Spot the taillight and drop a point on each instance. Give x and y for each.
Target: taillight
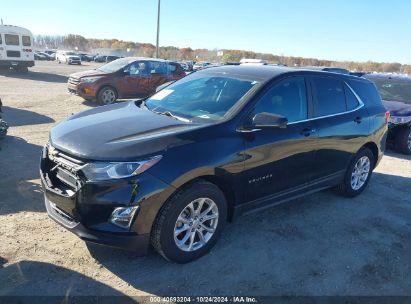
(387, 116)
(27, 50)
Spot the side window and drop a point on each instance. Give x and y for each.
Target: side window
(352, 101)
(26, 40)
(11, 39)
(287, 98)
(171, 68)
(137, 68)
(329, 97)
(157, 67)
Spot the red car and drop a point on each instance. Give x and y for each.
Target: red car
(131, 77)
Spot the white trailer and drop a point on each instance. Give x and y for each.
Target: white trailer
(16, 48)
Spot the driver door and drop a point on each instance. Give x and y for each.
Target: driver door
(280, 160)
(136, 80)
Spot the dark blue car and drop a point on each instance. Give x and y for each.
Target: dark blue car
(395, 91)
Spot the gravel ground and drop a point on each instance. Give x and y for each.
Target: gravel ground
(319, 245)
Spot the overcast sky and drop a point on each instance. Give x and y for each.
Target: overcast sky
(359, 30)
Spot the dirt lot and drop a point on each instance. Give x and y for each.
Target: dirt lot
(320, 245)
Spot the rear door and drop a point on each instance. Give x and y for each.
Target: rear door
(12, 46)
(342, 123)
(175, 71)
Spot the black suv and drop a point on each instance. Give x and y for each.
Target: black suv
(395, 91)
(172, 169)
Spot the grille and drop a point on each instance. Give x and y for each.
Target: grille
(73, 80)
(64, 168)
(13, 54)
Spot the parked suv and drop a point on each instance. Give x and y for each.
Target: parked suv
(124, 78)
(67, 57)
(171, 170)
(395, 91)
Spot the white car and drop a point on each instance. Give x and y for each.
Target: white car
(68, 57)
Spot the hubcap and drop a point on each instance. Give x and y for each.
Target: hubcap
(360, 173)
(196, 224)
(109, 96)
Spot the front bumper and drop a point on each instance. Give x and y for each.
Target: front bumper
(84, 208)
(82, 90)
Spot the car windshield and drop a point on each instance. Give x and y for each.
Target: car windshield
(114, 66)
(394, 89)
(201, 97)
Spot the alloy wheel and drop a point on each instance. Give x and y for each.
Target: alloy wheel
(196, 224)
(108, 96)
(360, 172)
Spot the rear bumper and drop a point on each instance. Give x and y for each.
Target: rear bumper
(16, 63)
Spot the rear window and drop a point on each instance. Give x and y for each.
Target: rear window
(26, 40)
(352, 101)
(329, 96)
(366, 91)
(11, 39)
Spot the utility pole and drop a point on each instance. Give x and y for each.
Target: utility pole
(158, 28)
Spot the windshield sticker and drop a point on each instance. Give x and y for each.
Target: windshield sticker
(162, 94)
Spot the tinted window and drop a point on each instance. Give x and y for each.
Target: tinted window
(329, 97)
(287, 98)
(11, 39)
(366, 90)
(352, 101)
(158, 67)
(26, 40)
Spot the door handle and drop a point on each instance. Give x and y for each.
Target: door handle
(308, 131)
(358, 120)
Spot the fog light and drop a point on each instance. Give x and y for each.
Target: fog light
(123, 216)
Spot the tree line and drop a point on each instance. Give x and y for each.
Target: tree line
(130, 48)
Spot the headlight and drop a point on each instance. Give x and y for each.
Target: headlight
(90, 79)
(400, 120)
(98, 171)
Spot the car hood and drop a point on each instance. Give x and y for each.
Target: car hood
(119, 132)
(88, 73)
(397, 108)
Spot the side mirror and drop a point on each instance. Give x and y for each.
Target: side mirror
(266, 120)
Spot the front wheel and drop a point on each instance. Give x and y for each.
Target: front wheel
(107, 95)
(358, 173)
(403, 140)
(190, 223)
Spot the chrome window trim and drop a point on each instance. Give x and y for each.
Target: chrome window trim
(360, 105)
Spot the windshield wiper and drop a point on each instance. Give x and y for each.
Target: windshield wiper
(168, 113)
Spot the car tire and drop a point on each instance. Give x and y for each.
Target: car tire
(358, 173)
(177, 215)
(107, 95)
(23, 69)
(403, 140)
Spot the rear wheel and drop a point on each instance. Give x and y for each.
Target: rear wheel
(107, 95)
(403, 141)
(190, 223)
(358, 173)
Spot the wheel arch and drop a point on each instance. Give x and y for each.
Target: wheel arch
(374, 149)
